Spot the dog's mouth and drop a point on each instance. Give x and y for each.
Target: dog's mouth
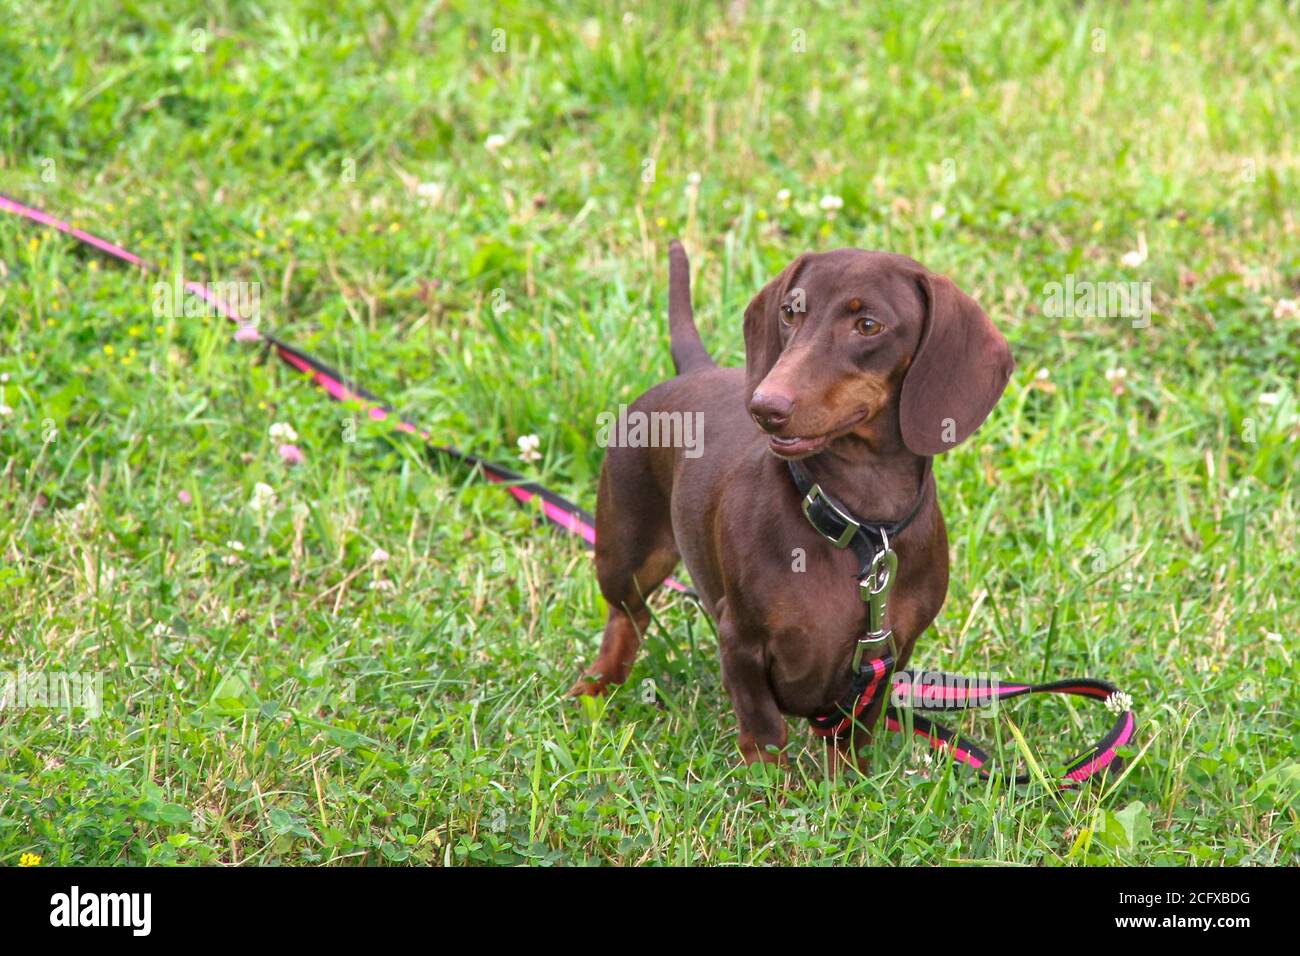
(802, 447)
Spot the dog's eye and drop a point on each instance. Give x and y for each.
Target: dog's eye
(787, 315)
(868, 326)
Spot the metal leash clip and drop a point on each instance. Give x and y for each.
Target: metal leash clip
(874, 588)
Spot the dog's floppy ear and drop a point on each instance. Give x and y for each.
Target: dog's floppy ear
(958, 373)
(763, 327)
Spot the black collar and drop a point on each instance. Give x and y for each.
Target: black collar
(841, 527)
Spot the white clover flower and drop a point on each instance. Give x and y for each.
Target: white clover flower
(378, 556)
(528, 445)
(1269, 398)
(431, 193)
(5, 410)
(1043, 374)
(283, 432)
(783, 197)
(922, 762)
(1119, 702)
(831, 203)
(1286, 309)
(1135, 257)
(938, 211)
(382, 584)
(494, 142)
(236, 548)
(1116, 374)
(263, 499)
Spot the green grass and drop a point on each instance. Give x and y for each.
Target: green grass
(277, 706)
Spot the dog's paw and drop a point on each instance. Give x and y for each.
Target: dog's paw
(588, 685)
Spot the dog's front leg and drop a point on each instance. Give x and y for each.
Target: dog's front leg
(763, 732)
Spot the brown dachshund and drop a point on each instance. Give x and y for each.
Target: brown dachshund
(862, 365)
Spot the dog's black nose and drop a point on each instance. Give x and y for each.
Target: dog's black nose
(772, 412)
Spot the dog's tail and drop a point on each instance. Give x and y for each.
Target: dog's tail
(684, 338)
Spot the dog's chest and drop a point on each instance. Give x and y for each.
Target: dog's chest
(810, 631)
(809, 641)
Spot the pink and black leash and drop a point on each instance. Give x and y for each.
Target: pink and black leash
(959, 694)
(938, 691)
(557, 509)
(929, 690)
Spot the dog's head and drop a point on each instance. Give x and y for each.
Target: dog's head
(842, 336)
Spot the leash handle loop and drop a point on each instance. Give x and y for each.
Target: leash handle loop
(913, 691)
(939, 691)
